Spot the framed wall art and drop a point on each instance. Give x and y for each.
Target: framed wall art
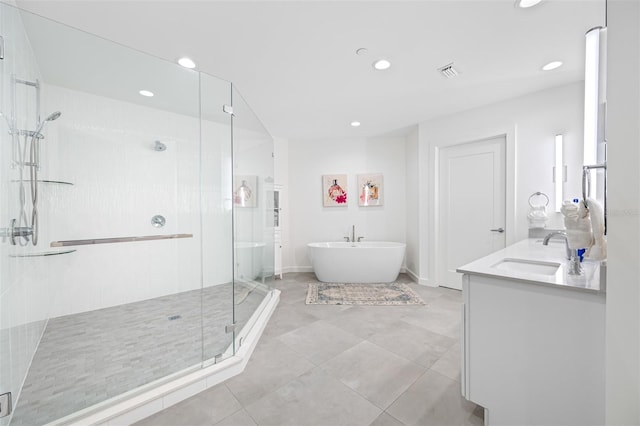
(334, 190)
(245, 192)
(370, 189)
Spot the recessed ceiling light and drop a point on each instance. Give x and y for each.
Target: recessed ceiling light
(552, 66)
(381, 64)
(362, 51)
(187, 62)
(355, 124)
(524, 4)
(146, 93)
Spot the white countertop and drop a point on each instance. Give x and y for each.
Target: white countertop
(533, 250)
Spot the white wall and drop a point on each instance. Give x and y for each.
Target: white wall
(530, 124)
(309, 221)
(623, 275)
(412, 257)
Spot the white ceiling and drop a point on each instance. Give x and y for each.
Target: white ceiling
(295, 62)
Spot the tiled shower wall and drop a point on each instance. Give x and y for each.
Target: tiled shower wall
(105, 148)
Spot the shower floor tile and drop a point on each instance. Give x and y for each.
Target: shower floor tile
(87, 358)
(369, 382)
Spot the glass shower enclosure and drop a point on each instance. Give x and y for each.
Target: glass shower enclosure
(136, 245)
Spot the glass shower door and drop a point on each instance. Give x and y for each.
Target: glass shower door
(155, 251)
(253, 218)
(25, 288)
(237, 220)
(217, 219)
(121, 194)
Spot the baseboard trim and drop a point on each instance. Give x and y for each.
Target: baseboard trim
(412, 274)
(289, 269)
(418, 280)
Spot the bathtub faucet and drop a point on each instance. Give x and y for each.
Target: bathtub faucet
(352, 238)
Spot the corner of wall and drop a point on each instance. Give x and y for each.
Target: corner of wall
(623, 273)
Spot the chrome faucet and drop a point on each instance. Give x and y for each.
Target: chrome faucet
(575, 268)
(353, 238)
(574, 260)
(559, 234)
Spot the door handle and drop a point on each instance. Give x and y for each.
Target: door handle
(500, 230)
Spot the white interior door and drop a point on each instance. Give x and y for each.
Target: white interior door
(471, 205)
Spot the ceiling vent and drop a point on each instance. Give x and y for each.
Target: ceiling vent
(448, 71)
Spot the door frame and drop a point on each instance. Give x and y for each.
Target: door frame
(434, 244)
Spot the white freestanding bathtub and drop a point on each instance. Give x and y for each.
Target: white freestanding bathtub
(364, 262)
(249, 260)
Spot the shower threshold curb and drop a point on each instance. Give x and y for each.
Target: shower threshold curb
(164, 396)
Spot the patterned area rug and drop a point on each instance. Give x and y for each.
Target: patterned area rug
(362, 294)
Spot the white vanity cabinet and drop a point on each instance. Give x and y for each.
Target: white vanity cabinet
(533, 352)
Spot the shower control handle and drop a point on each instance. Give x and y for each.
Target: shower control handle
(158, 221)
(14, 231)
(500, 230)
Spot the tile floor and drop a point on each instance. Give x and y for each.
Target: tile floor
(87, 358)
(327, 365)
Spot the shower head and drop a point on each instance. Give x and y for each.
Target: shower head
(159, 146)
(53, 116)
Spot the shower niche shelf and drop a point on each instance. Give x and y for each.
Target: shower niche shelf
(54, 182)
(43, 253)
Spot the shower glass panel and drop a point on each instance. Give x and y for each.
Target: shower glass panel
(217, 219)
(253, 213)
(25, 282)
(132, 281)
(122, 315)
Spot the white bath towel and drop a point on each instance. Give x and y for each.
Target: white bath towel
(578, 225)
(537, 216)
(599, 249)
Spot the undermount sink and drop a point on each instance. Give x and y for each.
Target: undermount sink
(527, 266)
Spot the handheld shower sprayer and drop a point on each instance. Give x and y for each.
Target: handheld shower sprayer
(34, 149)
(51, 117)
(34, 166)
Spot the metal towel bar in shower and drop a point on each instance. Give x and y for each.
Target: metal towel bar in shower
(117, 240)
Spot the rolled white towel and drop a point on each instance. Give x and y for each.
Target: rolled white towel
(537, 217)
(569, 209)
(596, 212)
(537, 213)
(578, 225)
